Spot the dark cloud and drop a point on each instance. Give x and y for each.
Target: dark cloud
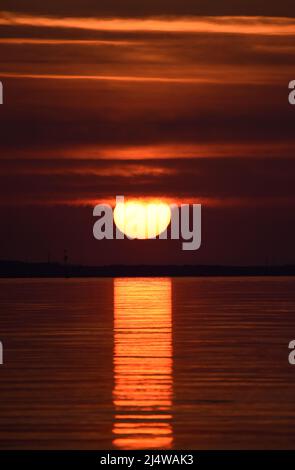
(260, 181)
(141, 8)
(235, 93)
(20, 46)
(50, 117)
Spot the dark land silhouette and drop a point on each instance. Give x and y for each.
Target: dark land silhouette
(15, 269)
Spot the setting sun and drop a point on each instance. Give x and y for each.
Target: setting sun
(142, 219)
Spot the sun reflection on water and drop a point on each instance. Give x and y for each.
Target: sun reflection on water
(143, 387)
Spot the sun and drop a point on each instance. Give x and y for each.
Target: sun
(141, 219)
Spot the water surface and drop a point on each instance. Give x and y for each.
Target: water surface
(124, 363)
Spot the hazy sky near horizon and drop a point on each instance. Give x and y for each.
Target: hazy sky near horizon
(186, 101)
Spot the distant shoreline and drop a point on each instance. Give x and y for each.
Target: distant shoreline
(18, 269)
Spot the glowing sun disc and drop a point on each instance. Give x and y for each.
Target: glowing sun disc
(142, 220)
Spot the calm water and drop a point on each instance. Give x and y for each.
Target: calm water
(147, 363)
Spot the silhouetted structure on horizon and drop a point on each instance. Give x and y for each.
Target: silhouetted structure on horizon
(21, 269)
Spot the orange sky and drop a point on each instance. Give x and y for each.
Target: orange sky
(187, 106)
